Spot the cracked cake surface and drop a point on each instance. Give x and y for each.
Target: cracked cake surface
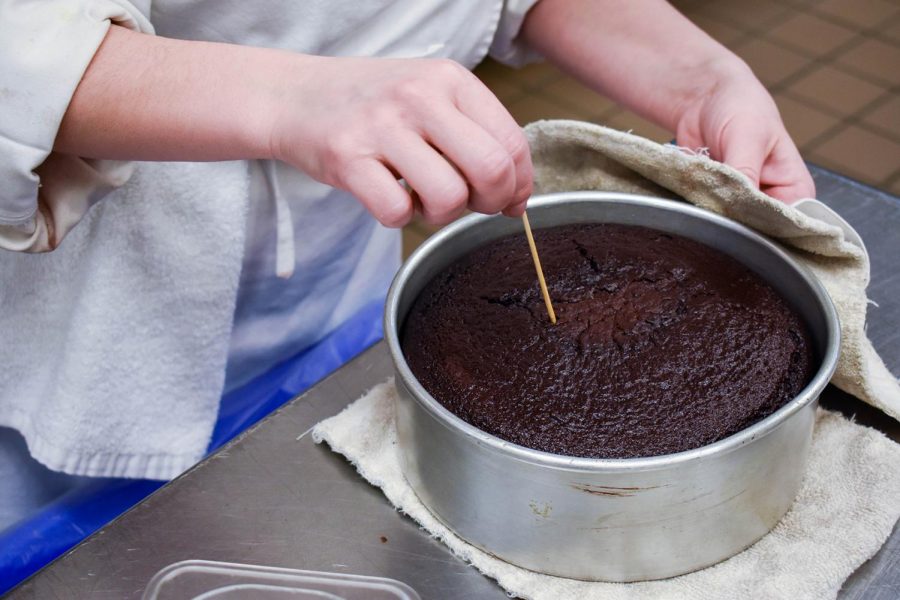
(663, 344)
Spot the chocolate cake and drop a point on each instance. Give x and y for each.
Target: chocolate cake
(662, 345)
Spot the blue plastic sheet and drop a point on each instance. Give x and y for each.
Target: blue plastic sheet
(32, 543)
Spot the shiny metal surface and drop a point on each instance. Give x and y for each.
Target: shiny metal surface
(269, 498)
(604, 519)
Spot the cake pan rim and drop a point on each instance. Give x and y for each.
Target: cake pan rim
(437, 411)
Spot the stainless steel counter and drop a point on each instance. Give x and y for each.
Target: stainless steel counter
(272, 497)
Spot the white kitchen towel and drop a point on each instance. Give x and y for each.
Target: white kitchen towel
(846, 507)
(573, 155)
(114, 345)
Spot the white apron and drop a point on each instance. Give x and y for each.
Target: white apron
(115, 345)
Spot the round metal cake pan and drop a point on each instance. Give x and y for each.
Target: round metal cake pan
(609, 519)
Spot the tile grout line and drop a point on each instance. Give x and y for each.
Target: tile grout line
(833, 131)
(761, 30)
(821, 60)
(571, 107)
(853, 119)
(755, 31)
(859, 116)
(862, 33)
(829, 59)
(869, 30)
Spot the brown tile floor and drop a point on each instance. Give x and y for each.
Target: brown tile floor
(833, 67)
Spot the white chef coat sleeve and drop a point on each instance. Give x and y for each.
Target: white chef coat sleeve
(506, 47)
(45, 47)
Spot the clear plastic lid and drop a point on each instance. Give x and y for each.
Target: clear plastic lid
(207, 580)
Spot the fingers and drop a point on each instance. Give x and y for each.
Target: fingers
(441, 131)
(791, 192)
(770, 160)
(486, 165)
(784, 175)
(439, 187)
(484, 182)
(379, 191)
(745, 145)
(516, 210)
(482, 107)
(486, 146)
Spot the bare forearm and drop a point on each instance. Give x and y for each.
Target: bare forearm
(353, 123)
(641, 53)
(648, 57)
(151, 98)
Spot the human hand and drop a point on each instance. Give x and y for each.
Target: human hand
(650, 58)
(360, 123)
(354, 123)
(737, 120)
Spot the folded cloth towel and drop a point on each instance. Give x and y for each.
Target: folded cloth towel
(846, 508)
(573, 155)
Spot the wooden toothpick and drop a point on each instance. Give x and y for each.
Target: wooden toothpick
(537, 267)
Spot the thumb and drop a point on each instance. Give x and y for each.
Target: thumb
(745, 146)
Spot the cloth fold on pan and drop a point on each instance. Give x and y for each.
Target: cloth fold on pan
(574, 155)
(846, 508)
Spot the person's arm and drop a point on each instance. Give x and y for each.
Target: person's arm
(645, 55)
(354, 123)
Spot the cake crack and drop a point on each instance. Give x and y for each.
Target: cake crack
(586, 254)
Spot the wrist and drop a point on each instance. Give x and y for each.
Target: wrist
(264, 96)
(704, 80)
(289, 97)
